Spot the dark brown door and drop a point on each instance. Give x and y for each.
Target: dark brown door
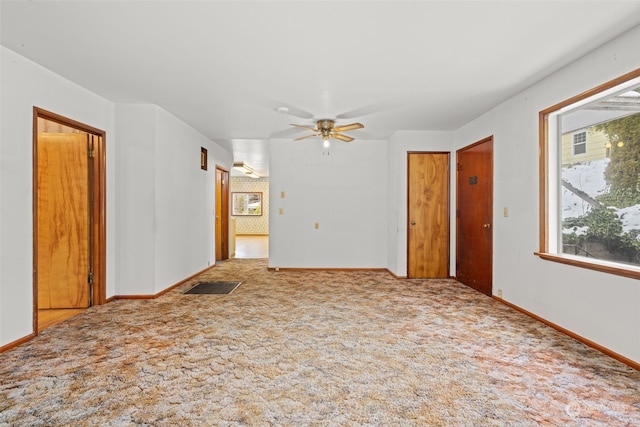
(428, 215)
(63, 221)
(474, 237)
(222, 214)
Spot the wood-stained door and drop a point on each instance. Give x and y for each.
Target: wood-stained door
(428, 215)
(222, 214)
(69, 215)
(474, 236)
(63, 220)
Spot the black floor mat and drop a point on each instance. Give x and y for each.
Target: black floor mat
(213, 288)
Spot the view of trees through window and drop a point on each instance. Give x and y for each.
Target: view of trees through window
(600, 182)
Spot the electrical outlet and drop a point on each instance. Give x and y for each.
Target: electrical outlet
(499, 293)
(505, 212)
(281, 211)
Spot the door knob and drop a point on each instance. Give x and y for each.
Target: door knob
(487, 226)
(413, 223)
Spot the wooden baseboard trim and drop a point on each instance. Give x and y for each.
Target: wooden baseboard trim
(140, 296)
(159, 294)
(395, 275)
(386, 270)
(17, 342)
(620, 358)
(312, 269)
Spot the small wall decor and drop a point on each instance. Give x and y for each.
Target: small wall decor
(203, 158)
(246, 204)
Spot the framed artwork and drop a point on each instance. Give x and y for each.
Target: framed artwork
(246, 204)
(203, 158)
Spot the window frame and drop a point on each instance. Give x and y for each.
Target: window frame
(549, 175)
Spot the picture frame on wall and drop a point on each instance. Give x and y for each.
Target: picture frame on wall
(203, 158)
(246, 204)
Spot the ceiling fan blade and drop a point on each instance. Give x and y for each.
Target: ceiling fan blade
(305, 127)
(285, 133)
(372, 109)
(345, 128)
(308, 136)
(341, 137)
(299, 112)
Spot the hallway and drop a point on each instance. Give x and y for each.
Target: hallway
(252, 247)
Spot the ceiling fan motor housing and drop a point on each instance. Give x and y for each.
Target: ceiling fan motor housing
(325, 125)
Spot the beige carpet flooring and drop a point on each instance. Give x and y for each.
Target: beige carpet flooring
(312, 348)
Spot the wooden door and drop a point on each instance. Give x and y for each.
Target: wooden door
(474, 237)
(428, 215)
(222, 214)
(63, 220)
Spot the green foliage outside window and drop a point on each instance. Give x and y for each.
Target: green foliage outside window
(602, 225)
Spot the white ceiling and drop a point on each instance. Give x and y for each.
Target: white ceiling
(224, 67)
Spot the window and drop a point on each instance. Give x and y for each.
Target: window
(246, 204)
(590, 204)
(579, 143)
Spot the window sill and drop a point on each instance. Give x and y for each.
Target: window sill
(597, 265)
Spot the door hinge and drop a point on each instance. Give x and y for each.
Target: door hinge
(458, 166)
(91, 153)
(90, 279)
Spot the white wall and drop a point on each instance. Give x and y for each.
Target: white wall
(399, 145)
(25, 85)
(601, 307)
(166, 208)
(345, 192)
(185, 200)
(135, 183)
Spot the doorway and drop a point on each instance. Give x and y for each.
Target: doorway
(69, 218)
(474, 236)
(222, 214)
(428, 215)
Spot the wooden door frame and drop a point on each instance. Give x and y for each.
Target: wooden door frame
(224, 214)
(99, 229)
(468, 147)
(407, 225)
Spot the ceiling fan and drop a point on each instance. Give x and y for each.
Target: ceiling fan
(326, 129)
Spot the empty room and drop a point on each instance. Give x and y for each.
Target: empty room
(320, 212)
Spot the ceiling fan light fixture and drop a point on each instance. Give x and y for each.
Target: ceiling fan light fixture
(325, 142)
(326, 129)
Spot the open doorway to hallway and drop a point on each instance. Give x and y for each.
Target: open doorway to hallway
(250, 217)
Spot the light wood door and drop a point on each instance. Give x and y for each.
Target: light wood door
(474, 237)
(63, 221)
(222, 214)
(428, 215)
